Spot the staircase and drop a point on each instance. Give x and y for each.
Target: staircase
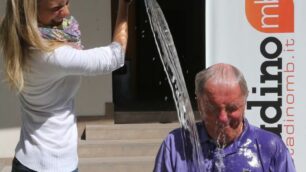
(121, 147)
(109, 147)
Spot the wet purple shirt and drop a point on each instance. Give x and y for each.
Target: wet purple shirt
(256, 150)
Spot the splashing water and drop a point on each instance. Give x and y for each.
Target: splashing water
(170, 61)
(221, 143)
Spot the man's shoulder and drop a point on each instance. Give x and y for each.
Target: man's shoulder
(175, 133)
(262, 134)
(267, 138)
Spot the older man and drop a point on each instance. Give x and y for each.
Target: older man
(229, 143)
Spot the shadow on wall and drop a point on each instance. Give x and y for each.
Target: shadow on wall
(9, 108)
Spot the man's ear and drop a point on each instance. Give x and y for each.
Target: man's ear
(200, 104)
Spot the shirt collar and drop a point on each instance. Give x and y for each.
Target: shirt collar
(203, 135)
(243, 141)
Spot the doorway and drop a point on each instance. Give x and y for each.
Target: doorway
(142, 85)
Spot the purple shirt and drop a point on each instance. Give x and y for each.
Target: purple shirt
(256, 150)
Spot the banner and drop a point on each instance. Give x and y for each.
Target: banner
(266, 40)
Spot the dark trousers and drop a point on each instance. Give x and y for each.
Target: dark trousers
(18, 167)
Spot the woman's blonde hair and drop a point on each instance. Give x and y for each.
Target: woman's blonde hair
(19, 34)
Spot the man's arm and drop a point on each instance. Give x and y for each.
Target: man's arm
(162, 160)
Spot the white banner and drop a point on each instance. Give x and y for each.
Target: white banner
(266, 40)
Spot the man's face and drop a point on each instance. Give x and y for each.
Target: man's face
(52, 12)
(222, 108)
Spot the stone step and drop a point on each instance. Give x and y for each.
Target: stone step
(145, 117)
(129, 131)
(125, 117)
(5, 164)
(7, 169)
(116, 148)
(112, 164)
(117, 164)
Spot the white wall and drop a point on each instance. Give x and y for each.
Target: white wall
(94, 17)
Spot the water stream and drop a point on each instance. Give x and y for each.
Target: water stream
(171, 64)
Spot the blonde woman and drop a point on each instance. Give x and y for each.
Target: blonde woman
(44, 59)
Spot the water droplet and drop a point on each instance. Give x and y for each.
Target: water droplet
(153, 59)
(178, 94)
(166, 98)
(173, 79)
(159, 83)
(170, 44)
(184, 109)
